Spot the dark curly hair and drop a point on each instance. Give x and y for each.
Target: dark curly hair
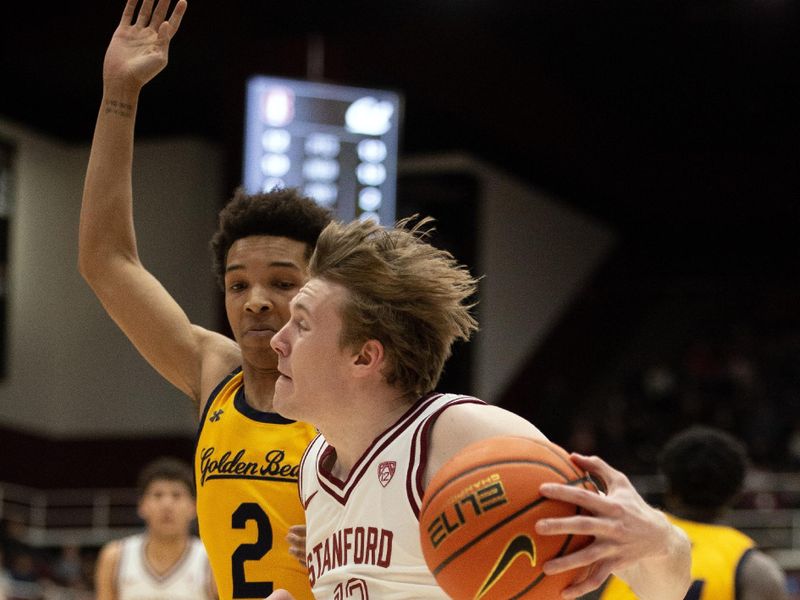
(166, 468)
(704, 467)
(282, 212)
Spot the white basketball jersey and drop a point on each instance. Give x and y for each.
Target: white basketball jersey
(363, 533)
(188, 579)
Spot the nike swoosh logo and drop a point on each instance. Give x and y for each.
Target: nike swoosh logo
(522, 544)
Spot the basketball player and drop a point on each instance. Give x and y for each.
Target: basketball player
(247, 457)
(705, 470)
(365, 345)
(166, 562)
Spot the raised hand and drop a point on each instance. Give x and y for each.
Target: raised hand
(139, 49)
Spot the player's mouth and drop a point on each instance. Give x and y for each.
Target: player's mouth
(260, 331)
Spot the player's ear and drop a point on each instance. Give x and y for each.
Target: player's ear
(369, 358)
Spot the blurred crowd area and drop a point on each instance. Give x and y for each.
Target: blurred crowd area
(28, 573)
(734, 364)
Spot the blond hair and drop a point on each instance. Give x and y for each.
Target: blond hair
(412, 297)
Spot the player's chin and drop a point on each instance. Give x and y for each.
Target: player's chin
(284, 386)
(282, 400)
(259, 354)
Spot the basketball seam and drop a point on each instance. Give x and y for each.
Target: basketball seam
(554, 452)
(474, 468)
(573, 467)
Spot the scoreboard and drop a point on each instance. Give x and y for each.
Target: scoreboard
(338, 144)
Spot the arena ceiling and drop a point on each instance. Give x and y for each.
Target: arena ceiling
(652, 116)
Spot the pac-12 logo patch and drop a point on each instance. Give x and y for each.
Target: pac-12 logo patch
(386, 471)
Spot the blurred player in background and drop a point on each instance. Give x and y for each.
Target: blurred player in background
(166, 562)
(705, 470)
(247, 457)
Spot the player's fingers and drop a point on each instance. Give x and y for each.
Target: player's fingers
(298, 555)
(598, 468)
(299, 530)
(578, 525)
(159, 14)
(279, 595)
(176, 17)
(584, 557)
(593, 579)
(296, 541)
(128, 12)
(589, 500)
(145, 10)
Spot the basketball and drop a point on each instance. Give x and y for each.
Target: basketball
(478, 515)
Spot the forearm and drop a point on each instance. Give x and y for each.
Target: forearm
(106, 225)
(664, 576)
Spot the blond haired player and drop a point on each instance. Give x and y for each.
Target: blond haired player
(364, 348)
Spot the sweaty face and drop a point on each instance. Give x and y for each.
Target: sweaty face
(313, 366)
(167, 507)
(262, 274)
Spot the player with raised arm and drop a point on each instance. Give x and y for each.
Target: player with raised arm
(247, 456)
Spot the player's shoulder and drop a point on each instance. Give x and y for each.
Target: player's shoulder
(216, 349)
(760, 577)
(465, 423)
(220, 356)
(481, 420)
(110, 552)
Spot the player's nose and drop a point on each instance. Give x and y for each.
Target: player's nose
(258, 300)
(280, 343)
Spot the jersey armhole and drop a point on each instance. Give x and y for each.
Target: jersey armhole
(737, 579)
(420, 446)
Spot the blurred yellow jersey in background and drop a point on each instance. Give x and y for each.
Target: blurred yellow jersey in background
(717, 551)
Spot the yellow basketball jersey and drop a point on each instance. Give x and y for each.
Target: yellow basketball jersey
(717, 552)
(246, 468)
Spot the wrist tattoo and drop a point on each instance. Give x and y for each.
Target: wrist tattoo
(121, 109)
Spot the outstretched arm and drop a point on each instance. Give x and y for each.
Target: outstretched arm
(632, 539)
(108, 257)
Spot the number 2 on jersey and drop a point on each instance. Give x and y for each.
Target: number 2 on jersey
(250, 511)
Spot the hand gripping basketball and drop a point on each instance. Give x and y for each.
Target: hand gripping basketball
(477, 523)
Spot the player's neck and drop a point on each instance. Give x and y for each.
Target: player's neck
(693, 513)
(259, 387)
(162, 552)
(360, 424)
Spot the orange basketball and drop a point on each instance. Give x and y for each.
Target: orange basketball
(477, 520)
